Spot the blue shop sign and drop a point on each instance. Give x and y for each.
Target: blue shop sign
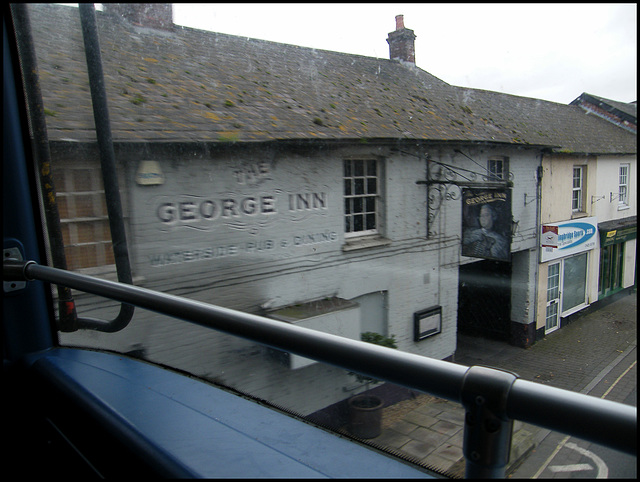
(566, 238)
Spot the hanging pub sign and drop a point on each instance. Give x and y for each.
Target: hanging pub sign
(486, 223)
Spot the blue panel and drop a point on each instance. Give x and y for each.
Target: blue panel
(25, 316)
(208, 432)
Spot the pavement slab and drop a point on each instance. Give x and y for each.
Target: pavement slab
(571, 358)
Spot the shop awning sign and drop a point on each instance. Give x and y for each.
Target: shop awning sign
(565, 238)
(620, 235)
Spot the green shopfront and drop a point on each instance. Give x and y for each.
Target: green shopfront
(617, 256)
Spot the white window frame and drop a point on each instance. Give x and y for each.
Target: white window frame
(623, 185)
(498, 168)
(552, 315)
(577, 193)
(361, 197)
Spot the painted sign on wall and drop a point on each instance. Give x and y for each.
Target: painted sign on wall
(234, 208)
(568, 237)
(199, 212)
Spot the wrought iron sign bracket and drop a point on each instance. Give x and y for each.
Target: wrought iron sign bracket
(481, 185)
(439, 186)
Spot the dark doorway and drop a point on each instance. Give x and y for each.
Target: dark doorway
(484, 299)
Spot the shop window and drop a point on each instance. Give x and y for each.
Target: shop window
(574, 283)
(611, 264)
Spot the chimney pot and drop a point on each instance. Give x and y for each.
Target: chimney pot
(402, 42)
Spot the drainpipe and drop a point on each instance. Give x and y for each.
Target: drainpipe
(538, 228)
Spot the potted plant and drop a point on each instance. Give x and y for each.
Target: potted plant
(365, 410)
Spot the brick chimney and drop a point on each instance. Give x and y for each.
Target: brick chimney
(402, 42)
(150, 15)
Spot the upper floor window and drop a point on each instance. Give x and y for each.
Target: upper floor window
(361, 189)
(498, 168)
(623, 185)
(577, 200)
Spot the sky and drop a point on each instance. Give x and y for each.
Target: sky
(546, 51)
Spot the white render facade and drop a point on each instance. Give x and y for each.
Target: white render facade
(261, 229)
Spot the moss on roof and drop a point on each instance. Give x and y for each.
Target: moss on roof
(194, 85)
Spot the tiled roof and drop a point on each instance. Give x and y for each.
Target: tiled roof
(618, 113)
(566, 127)
(194, 85)
(630, 108)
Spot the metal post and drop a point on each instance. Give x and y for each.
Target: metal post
(487, 429)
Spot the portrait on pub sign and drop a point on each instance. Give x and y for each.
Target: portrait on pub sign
(486, 223)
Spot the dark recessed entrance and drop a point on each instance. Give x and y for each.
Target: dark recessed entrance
(484, 299)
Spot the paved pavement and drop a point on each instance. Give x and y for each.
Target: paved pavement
(577, 357)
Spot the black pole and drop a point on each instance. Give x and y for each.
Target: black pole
(67, 315)
(487, 429)
(68, 318)
(109, 168)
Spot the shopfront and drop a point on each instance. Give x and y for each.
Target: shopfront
(566, 250)
(616, 239)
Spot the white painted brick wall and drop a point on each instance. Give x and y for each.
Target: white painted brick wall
(292, 267)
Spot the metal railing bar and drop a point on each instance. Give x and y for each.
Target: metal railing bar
(580, 415)
(438, 377)
(601, 421)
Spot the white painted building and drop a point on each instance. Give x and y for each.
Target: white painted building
(265, 231)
